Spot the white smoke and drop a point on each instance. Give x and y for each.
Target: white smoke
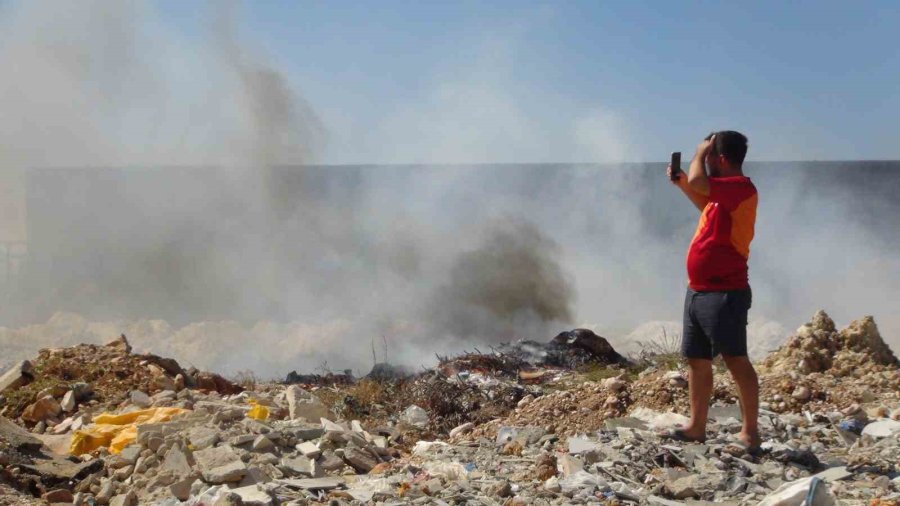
(296, 268)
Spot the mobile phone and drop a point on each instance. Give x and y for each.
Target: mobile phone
(676, 165)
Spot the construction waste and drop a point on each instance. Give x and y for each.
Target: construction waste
(569, 421)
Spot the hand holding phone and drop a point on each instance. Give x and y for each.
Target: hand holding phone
(675, 165)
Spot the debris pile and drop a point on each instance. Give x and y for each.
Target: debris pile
(62, 382)
(565, 422)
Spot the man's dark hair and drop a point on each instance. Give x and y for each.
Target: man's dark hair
(731, 144)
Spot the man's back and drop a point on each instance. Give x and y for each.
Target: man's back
(717, 257)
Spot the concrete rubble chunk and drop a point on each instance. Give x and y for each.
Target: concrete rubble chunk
(305, 405)
(181, 489)
(253, 496)
(203, 437)
(262, 444)
(176, 462)
(227, 498)
(218, 456)
(309, 450)
(330, 462)
(301, 465)
(228, 473)
(328, 483)
(254, 476)
(360, 460)
(833, 474)
(16, 376)
(17, 437)
(685, 487)
(127, 499)
(306, 433)
(330, 426)
(130, 454)
(795, 493)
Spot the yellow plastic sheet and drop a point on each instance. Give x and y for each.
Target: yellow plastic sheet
(115, 432)
(258, 411)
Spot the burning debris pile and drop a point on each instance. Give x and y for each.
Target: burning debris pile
(568, 350)
(565, 422)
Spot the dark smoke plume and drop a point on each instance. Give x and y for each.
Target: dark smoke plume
(511, 283)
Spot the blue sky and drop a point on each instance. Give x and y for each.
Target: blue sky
(517, 81)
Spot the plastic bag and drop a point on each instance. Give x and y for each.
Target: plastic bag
(257, 411)
(115, 432)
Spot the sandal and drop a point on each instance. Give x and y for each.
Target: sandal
(744, 448)
(679, 435)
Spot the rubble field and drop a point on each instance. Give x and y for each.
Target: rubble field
(568, 421)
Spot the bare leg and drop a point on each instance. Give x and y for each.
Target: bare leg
(700, 382)
(748, 388)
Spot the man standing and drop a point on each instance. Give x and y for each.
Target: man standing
(718, 295)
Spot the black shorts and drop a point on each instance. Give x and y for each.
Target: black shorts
(715, 322)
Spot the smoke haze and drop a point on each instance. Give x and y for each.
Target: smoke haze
(171, 195)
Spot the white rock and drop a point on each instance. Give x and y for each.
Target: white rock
(552, 484)
(303, 404)
(882, 428)
(309, 450)
(415, 416)
(228, 473)
(302, 465)
(794, 493)
(68, 402)
(614, 384)
(262, 444)
(253, 496)
(801, 393)
(140, 399)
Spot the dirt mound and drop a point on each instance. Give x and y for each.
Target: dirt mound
(823, 367)
(818, 346)
(564, 412)
(665, 390)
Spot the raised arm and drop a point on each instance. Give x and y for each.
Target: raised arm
(699, 200)
(697, 178)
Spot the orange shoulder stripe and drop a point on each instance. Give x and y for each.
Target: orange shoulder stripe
(743, 220)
